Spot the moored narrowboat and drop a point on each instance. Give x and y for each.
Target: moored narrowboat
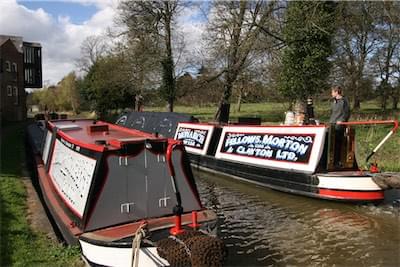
(117, 192)
(297, 159)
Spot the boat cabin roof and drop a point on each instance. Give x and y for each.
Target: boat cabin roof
(98, 135)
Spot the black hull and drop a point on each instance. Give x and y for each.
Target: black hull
(298, 183)
(67, 236)
(284, 181)
(296, 159)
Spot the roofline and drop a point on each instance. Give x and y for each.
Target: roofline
(16, 37)
(32, 44)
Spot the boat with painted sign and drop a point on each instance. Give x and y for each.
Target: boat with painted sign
(117, 192)
(298, 159)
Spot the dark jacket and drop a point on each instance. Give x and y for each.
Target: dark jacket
(340, 110)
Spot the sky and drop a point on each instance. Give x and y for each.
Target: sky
(61, 26)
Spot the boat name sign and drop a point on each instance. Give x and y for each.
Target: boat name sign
(192, 137)
(282, 147)
(195, 137)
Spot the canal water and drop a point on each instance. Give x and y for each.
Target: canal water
(262, 227)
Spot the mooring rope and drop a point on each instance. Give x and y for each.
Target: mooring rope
(139, 234)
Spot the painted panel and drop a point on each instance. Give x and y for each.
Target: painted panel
(140, 187)
(288, 148)
(195, 137)
(72, 174)
(359, 183)
(46, 148)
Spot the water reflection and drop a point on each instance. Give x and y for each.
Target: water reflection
(262, 227)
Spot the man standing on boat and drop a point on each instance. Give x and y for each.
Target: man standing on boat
(340, 112)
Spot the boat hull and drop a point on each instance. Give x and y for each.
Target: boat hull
(297, 159)
(340, 186)
(102, 184)
(97, 255)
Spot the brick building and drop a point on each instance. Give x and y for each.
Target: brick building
(20, 68)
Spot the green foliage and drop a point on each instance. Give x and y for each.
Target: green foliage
(46, 98)
(150, 27)
(19, 245)
(63, 97)
(167, 88)
(308, 34)
(69, 95)
(105, 86)
(202, 89)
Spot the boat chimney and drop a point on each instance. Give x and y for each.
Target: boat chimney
(310, 112)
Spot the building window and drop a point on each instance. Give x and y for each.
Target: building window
(15, 93)
(29, 55)
(14, 67)
(8, 66)
(9, 90)
(29, 78)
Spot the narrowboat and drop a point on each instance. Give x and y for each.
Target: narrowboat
(116, 192)
(298, 159)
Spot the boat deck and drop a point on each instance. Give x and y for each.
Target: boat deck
(118, 232)
(96, 134)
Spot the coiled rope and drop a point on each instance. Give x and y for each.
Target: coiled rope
(192, 248)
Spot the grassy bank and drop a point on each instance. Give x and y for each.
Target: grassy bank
(19, 244)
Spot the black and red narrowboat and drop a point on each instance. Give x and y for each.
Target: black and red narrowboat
(106, 185)
(298, 159)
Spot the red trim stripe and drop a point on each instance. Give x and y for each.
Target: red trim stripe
(69, 206)
(352, 195)
(94, 147)
(128, 130)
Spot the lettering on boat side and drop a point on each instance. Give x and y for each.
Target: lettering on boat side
(192, 137)
(278, 147)
(72, 174)
(70, 145)
(122, 120)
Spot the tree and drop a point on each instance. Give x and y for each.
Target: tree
(106, 87)
(233, 36)
(388, 34)
(143, 59)
(200, 88)
(154, 21)
(68, 93)
(396, 88)
(356, 41)
(308, 35)
(46, 98)
(92, 49)
(184, 85)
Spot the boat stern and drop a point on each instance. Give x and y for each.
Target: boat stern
(349, 186)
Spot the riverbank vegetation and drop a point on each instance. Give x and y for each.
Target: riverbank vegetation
(258, 57)
(248, 52)
(20, 245)
(367, 137)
